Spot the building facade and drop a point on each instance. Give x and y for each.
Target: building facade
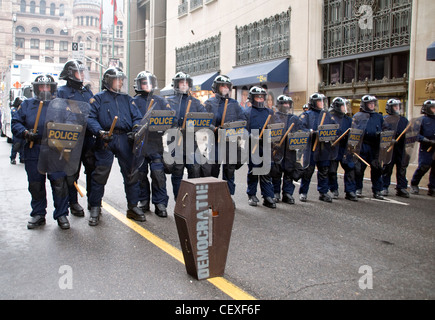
(45, 30)
(343, 48)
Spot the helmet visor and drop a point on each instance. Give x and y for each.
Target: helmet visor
(146, 83)
(117, 83)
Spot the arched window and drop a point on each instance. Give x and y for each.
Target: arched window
(34, 30)
(20, 29)
(52, 9)
(64, 32)
(23, 6)
(32, 6)
(42, 7)
(49, 31)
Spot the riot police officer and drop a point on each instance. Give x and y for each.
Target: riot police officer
(222, 87)
(311, 119)
(144, 85)
(393, 109)
(182, 84)
(23, 122)
(113, 101)
(286, 171)
(75, 73)
(370, 147)
(256, 117)
(338, 111)
(426, 155)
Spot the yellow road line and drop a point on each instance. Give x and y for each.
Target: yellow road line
(219, 282)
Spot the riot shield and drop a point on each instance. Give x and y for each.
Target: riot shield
(410, 141)
(298, 147)
(355, 136)
(235, 149)
(148, 139)
(327, 133)
(277, 125)
(197, 125)
(64, 133)
(386, 143)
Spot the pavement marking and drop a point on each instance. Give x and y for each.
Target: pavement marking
(390, 201)
(219, 282)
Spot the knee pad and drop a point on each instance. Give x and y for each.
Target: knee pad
(194, 171)
(60, 187)
(178, 169)
(101, 174)
(37, 190)
(159, 178)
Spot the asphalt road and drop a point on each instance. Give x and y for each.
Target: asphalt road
(345, 250)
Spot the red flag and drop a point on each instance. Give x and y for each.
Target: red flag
(101, 17)
(115, 8)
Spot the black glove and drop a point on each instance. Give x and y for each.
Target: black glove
(131, 136)
(428, 143)
(29, 135)
(104, 135)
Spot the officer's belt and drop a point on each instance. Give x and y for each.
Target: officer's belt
(119, 131)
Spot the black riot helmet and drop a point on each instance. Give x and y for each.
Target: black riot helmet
(113, 80)
(145, 78)
(181, 77)
(366, 100)
(389, 108)
(255, 92)
(218, 82)
(428, 107)
(339, 105)
(42, 81)
(284, 104)
(314, 98)
(75, 73)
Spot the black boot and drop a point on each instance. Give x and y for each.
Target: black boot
(288, 198)
(402, 193)
(94, 216)
(269, 202)
(161, 210)
(63, 222)
(253, 200)
(325, 197)
(351, 196)
(144, 205)
(135, 213)
(378, 195)
(36, 221)
(76, 210)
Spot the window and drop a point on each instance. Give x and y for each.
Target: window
(32, 6)
(119, 30)
(348, 71)
(63, 46)
(49, 31)
(34, 58)
(20, 29)
(379, 68)
(34, 44)
(49, 59)
(199, 57)
(19, 42)
(49, 44)
(34, 30)
(52, 9)
(64, 32)
(19, 57)
(399, 65)
(42, 7)
(364, 69)
(334, 73)
(61, 10)
(263, 40)
(23, 6)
